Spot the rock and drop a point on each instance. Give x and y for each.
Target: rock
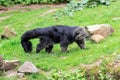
(114, 69)
(10, 64)
(97, 38)
(8, 33)
(20, 75)
(93, 66)
(11, 73)
(92, 69)
(100, 29)
(1, 62)
(28, 67)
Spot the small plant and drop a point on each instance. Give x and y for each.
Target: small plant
(80, 5)
(64, 75)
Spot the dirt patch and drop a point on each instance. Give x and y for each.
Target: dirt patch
(49, 11)
(5, 17)
(31, 7)
(3, 8)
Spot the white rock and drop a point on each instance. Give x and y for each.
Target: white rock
(20, 75)
(28, 67)
(11, 73)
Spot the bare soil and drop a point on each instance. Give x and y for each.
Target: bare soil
(30, 7)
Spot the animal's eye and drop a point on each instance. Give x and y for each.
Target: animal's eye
(77, 32)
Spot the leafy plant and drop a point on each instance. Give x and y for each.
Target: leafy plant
(80, 5)
(65, 75)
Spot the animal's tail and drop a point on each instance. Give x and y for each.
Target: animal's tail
(25, 40)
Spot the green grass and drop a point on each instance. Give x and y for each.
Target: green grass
(11, 49)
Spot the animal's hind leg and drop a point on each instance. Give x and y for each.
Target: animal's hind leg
(49, 48)
(45, 42)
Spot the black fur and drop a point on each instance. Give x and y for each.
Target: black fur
(45, 42)
(54, 34)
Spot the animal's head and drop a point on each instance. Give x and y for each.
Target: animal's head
(80, 33)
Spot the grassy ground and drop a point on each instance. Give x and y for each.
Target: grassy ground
(23, 21)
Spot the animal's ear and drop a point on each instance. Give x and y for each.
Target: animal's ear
(88, 34)
(86, 28)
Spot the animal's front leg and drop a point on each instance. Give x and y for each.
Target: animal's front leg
(64, 44)
(81, 43)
